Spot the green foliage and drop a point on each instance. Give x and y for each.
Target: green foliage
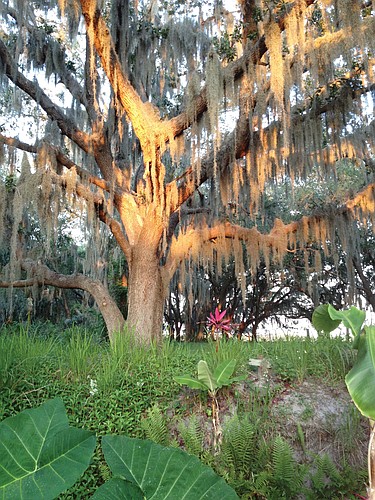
(143, 469)
(81, 351)
(325, 476)
(132, 378)
(155, 426)
(282, 477)
(41, 455)
(322, 321)
(239, 448)
(361, 378)
(211, 381)
(326, 318)
(192, 434)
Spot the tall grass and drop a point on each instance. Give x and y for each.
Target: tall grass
(298, 358)
(22, 346)
(80, 354)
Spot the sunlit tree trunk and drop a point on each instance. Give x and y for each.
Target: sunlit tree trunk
(147, 293)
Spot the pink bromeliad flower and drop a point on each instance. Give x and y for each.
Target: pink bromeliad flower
(217, 321)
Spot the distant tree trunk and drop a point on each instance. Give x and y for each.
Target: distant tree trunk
(254, 329)
(367, 288)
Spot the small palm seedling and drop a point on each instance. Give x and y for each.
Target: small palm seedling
(212, 382)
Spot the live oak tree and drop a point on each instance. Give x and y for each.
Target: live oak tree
(157, 121)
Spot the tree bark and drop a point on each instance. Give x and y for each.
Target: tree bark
(370, 297)
(42, 275)
(147, 294)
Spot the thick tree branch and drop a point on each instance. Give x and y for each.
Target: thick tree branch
(117, 231)
(189, 182)
(42, 275)
(144, 118)
(60, 157)
(279, 238)
(67, 126)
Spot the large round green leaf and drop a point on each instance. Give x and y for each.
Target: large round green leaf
(352, 318)
(322, 320)
(40, 455)
(160, 473)
(361, 378)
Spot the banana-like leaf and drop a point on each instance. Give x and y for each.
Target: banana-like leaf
(160, 473)
(223, 372)
(361, 378)
(40, 455)
(206, 377)
(322, 320)
(190, 382)
(352, 318)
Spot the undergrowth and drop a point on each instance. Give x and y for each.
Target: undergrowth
(129, 389)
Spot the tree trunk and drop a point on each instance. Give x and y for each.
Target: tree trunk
(147, 294)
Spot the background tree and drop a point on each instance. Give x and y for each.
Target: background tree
(157, 121)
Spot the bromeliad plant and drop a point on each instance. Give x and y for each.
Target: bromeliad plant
(360, 380)
(217, 324)
(212, 382)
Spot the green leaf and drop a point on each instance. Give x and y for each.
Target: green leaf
(118, 489)
(40, 455)
(206, 377)
(322, 321)
(161, 473)
(352, 318)
(190, 382)
(361, 378)
(224, 371)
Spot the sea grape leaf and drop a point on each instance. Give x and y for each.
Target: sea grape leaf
(40, 455)
(360, 380)
(161, 473)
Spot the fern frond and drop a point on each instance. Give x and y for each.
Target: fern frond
(283, 463)
(192, 435)
(239, 449)
(155, 426)
(326, 472)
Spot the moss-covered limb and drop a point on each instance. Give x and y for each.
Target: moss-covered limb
(61, 158)
(66, 125)
(40, 274)
(253, 53)
(37, 37)
(281, 239)
(144, 119)
(16, 143)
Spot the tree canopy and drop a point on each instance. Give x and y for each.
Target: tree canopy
(161, 124)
